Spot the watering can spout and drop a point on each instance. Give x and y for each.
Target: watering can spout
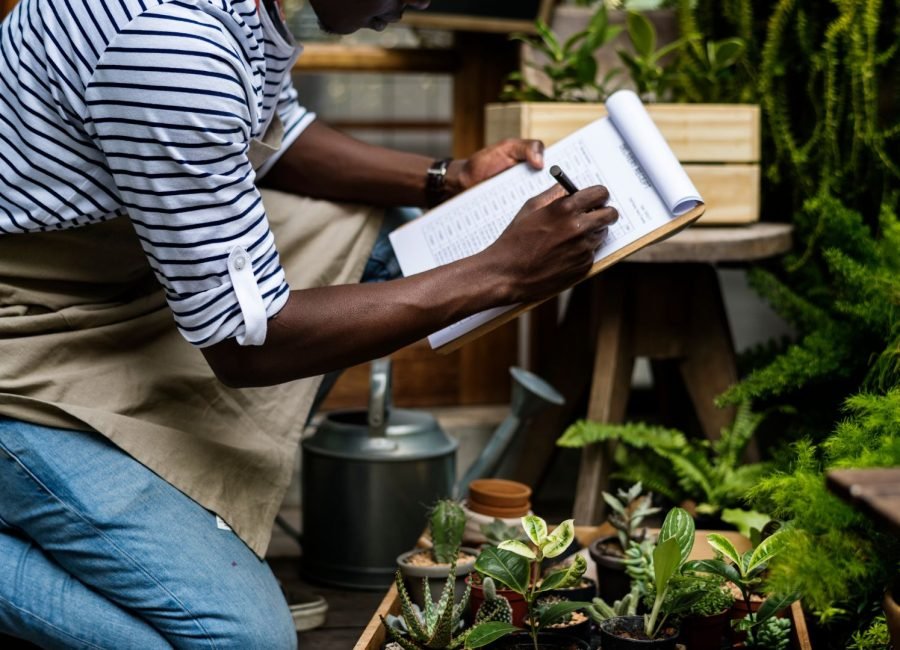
(530, 395)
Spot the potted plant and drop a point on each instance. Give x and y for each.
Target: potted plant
(438, 627)
(745, 571)
(627, 512)
(447, 521)
(516, 564)
(575, 624)
(706, 622)
(655, 629)
(584, 590)
(719, 143)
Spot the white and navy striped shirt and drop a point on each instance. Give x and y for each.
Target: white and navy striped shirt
(147, 108)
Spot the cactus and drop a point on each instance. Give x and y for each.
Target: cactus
(448, 522)
(600, 610)
(495, 607)
(434, 629)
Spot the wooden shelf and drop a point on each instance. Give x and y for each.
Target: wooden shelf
(328, 57)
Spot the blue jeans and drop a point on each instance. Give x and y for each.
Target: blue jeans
(97, 551)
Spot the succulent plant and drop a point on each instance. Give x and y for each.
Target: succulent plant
(498, 532)
(447, 522)
(600, 610)
(772, 634)
(433, 628)
(495, 607)
(629, 509)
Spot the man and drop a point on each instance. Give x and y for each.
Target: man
(132, 137)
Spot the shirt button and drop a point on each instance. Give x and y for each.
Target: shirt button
(240, 262)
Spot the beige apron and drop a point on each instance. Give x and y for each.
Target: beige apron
(87, 342)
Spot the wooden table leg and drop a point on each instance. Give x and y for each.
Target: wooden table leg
(708, 366)
(613, 365)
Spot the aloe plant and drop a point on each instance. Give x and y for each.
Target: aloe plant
(433, 628)
(517, 564)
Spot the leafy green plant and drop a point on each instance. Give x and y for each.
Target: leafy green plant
(746, 571)
(447, 522)
(629, 508)
(570, 65)
(497, 531)
(771, 634)
(516, 565)
(710, 473)
(435, 627)
(874, 637)
(714, 597)
(706, 69)
(600, 610)
(646, 65)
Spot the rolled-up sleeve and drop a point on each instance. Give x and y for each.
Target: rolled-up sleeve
(172, 106)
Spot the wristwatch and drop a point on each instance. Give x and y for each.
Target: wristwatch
(435, 182)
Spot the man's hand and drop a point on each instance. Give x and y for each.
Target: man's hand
(487, 163)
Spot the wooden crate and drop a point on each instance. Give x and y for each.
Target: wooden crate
(719, 145)
(373, 636)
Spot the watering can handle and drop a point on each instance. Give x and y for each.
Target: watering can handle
(379, 396)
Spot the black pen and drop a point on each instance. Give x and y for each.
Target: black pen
(560, 176)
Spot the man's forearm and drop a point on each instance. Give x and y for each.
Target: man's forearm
(327, 164)
(336, 327)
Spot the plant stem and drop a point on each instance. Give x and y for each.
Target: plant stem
(654, 614)
(535, 574)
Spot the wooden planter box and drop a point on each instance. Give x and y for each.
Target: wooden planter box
(373, 636)
(718, 144)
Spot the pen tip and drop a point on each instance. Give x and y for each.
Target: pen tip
(555, 170)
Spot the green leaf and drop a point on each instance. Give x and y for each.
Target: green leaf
(715, 567)
(559, 540)
(556, 611)
(535, 528)
(679, 526)
(552, 45)
(613, 502)
(745, 520)
(727, 52)
(505, 567)
(586, 68)
(774, 604)
(568, 577)
(642, 33)
(724, 546)
(517, 547)
(767, 549)
(485, 633)
(666, 558)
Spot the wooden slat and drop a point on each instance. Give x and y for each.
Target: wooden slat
(876, 491)
(702, 133)
(731, 193)
(373, 636)
(327, 57)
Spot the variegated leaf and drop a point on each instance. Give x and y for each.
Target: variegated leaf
(535, 528)
(767, 549)
(560, 539)
(724, 546)
(517, 547)
(679, 526)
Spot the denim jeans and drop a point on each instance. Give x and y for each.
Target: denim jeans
(97, 551)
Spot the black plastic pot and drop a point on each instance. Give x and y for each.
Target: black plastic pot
(612, 581)
(634, 624)
(578, 594)
(546, 641)
(706, 632)
(578, 631)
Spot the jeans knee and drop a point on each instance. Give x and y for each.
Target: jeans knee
(260, 628)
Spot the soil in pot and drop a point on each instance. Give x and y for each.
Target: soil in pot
(419, 563)
(706, 632)
(516, 601)
(612, 581)
(627, 633)
(578, 626)
(546, 641)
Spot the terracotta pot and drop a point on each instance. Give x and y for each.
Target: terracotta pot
(499, 513)
(610, 641)
(612, 581)
(516, 601)
(546, 641)
(706, 632)
(437, 576)
(892, 614)
(499, 493)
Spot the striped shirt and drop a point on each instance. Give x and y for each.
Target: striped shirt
(147, 108)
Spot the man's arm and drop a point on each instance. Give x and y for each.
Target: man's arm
(548, 247)
(324, 163)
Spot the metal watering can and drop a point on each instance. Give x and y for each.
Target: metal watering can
(368, 478)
